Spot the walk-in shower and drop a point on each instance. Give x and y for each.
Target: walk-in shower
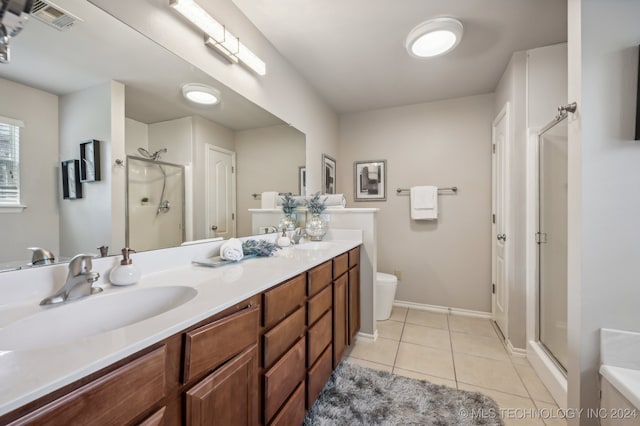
(552, 239)
(547, 294)
(155, 202)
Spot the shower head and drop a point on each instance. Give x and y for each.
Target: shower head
(155, 156)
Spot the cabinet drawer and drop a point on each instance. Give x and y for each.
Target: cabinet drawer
(293, 412)
(283, 336)
(340, 265)
(116, 398)
(354, 257)
(280, 301)
(319, 277)
(156, 419)
(209, 346)
(318, 305)
(281, 379)
(318, 375)
(318, 337)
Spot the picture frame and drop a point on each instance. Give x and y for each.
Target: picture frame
(302, 180)
(90, 161)
(370, 180)
(71, 185)
(328, 175)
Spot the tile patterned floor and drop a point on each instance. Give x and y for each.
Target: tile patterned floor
(460, 352)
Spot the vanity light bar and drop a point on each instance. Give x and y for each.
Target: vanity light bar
(218, 37)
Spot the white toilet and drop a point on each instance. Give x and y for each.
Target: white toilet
(386, 285)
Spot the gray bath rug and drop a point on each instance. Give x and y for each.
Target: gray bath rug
(356, 395)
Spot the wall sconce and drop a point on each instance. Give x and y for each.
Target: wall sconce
(90, 161)
(218, 37)
(71, 185)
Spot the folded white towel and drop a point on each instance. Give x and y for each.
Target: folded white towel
(268, 200)
(334, 200)
(231, 250)
(424, 202)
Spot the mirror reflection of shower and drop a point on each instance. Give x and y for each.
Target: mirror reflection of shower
(155, 205)
(163, 204)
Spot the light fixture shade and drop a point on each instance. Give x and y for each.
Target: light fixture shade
(201, 94)
(218, 37)
(434, 37)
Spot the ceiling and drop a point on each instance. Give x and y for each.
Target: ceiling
(353, 51)
(100, 48)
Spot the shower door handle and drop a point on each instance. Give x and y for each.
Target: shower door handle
(214, 228)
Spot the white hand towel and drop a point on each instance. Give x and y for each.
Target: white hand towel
(424, 202)
(231, 250)
(268, 200)
(334, 200)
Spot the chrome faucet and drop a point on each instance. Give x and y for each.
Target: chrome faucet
(298, 234)
(80, 280)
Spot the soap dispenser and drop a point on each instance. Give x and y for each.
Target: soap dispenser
(125, 273)
(283, 241)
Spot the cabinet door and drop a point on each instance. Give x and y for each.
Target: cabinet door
(340, 318)
(354, 303)
(228, 396)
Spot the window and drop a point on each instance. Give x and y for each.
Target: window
(10, 162)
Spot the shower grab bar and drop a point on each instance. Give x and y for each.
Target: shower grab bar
(453, 189)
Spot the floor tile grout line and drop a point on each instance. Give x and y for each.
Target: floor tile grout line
(453, 360)
(395, 359)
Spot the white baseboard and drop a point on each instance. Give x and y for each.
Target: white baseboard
(519, 352)
(442, 309)
(367, 336)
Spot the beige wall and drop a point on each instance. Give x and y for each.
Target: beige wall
(39, 172)
(86, 115)
(268, 159)
(604, 206)
(448, 143)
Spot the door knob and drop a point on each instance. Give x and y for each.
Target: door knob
(214, 228)
(502, 237)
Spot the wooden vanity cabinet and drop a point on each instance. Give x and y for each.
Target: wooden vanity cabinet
(227, 351)
(262, 361)
(283, 348)
(354, 294)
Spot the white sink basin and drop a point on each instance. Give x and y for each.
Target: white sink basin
(90, 316)
(315, 245)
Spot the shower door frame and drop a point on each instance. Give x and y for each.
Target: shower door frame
(554, 377)
(126, 193)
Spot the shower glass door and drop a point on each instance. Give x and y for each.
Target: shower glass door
(155, 204)
(552, 241)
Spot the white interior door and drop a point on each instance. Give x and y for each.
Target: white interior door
(221, 193)
(500, 287)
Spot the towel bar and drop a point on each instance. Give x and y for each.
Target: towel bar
(453, 189)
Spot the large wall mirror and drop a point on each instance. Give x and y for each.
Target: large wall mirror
(171, 171)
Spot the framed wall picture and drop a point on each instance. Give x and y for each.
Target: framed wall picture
(90, 161)
(71, 185)
(328, 175)
(302, 180)
(370, 180)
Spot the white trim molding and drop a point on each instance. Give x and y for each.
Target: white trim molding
(442, 309)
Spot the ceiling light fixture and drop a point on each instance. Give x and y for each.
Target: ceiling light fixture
(218, 37)
(434, 37)
(201, 94)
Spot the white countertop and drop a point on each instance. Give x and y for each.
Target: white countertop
(28, 375)
(620, 362)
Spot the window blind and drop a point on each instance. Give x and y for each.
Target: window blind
(10, 160)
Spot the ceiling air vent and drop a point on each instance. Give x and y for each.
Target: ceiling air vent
(53, 15)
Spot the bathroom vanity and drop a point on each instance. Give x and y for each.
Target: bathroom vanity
(249, 348)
